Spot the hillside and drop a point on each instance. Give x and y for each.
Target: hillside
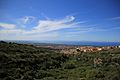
(28, 62)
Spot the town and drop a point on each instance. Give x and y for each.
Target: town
(78, 49)
(75, 50)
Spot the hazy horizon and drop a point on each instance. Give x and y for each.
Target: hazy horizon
(59, 40)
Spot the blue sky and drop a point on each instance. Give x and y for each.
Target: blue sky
(69, 20)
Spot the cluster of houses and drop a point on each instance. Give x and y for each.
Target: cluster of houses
(88, 49)
(75, 50)
(94, 49)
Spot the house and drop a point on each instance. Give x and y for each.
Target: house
(77, 49)
(99, 49)
(119, 46)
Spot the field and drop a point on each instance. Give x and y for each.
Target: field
(28, 62)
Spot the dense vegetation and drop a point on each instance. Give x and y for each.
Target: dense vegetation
(27, 62)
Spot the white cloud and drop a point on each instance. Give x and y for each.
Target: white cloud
(45, 29)
(115, 18)
(18, 34)
(41, 36)
(27, 19)
(51, 25)
(12, 31)
(46, 25)
(7, 26)
(42, 14)
(41, 31)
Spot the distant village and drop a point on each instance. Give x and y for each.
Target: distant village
(76, 49)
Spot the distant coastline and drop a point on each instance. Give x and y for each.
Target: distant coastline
(67, 43)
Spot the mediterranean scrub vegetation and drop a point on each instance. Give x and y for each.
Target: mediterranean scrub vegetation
(28, 62)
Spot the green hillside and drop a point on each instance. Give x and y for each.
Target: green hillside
(27, 62)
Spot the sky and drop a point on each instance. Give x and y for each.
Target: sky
(60, 20)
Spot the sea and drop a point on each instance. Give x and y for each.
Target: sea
(75, 43)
